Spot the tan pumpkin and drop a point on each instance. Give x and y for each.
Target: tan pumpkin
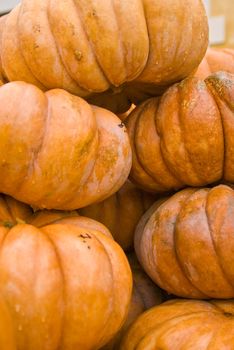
(57, 151)
(125, 49)
(145, 295)
(121, 212)
(64, 283)
(185, 138)
(186, 244)
(183, 325)
(216, 60)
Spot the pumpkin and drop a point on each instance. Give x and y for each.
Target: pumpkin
(144, 296)
(122, 50)
(121, 212)
(185, 138)
(186, 243)
(216, 60)
(57, 151)
(183, 324)
(64, 283)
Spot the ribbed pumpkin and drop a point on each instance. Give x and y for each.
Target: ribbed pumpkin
(216, 60)
(66, 285)
(145, 295)
(183, 325)
(185, 138)
(186, 244)
(128, 49)
(57, 151)
(121, 212)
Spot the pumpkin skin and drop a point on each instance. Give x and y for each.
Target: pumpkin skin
(121, 212)
(58, 45)
(183, 324)
(61, 153)
(216, 60)
(67, 282)
(145, 295)
(190, 237)
(167, 153)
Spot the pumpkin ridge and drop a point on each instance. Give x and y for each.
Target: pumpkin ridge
(120, 39)
(176, 253)
(157, 182)
(210, 89)
(171, 172)
(183, 134)
(63, 279)
(37, 152)
(218, 258)
(21, 52)
(57, 49)
(148, 34)
(113, 283)
(80, 15)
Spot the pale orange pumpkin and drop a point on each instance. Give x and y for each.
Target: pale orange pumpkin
(57, 151)
(185, 138)
(145, 295)
(64, 283)
(215, 60)
(183, 324)
(126, 50)
(186, 243)
(121, 212)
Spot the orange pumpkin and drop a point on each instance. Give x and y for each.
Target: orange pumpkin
(184, 324)
(64, 286)
(121, 212)
(57, 151)
(125, 49)
(185, 138)
(145, 295)
(216, 60)
(186, 244)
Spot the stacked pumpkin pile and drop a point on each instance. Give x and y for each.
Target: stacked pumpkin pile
(65, 284)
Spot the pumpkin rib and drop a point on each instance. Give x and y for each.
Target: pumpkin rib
(210, 89)
(38, 82)
(36, 153)
(218, 258)
(187, 154)
(62, 277)
(141, 161)
(180, 264)
(80, 15)
(138, 160)
(170, 171)
(187, 53)
(61, 59)
(143, 146)
(120, 39)
(63, 63)
(113, 284)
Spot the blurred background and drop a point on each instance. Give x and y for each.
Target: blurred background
(220, 13)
